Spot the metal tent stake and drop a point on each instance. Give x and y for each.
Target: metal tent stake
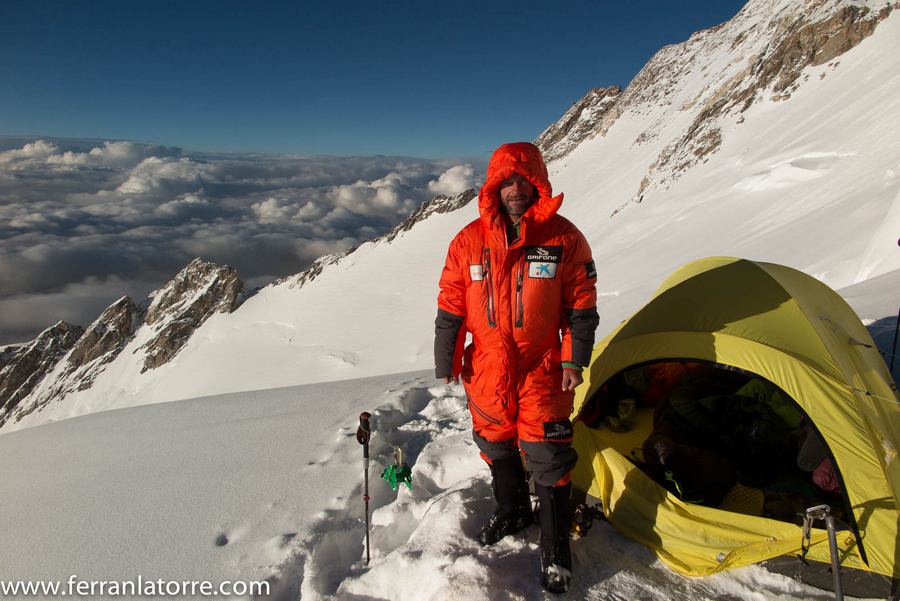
(363, 433)
(823, 512)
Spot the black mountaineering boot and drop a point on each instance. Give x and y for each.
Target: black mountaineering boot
(513, 511)
(556, 559)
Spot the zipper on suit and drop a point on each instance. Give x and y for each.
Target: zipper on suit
(520, 282)
(488, 281)
(482, 413)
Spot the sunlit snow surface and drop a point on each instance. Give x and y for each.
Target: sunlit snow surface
(268, 485)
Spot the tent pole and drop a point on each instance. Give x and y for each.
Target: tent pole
(823, 512)
(894, 350)
(835, 558)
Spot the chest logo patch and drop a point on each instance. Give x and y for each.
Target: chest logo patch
(476, 273)
(543, 254)
(543, 261)
(542, 270)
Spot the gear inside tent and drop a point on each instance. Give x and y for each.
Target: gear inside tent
(742, 395)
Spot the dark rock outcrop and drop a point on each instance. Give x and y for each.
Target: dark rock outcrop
(578, 123)
(798, 42)
(8, 353)
(196, 293)
(73, 357)
(106, 337)
(769, 45)
(28, 367)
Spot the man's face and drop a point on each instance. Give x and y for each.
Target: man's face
(516, 195)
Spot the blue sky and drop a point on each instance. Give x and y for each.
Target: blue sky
(414, 78)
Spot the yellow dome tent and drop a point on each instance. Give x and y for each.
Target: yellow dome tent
(795, 332)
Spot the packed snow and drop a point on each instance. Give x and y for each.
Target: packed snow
(268, 486)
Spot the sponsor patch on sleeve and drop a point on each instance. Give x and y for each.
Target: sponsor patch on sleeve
(558, 430)
(476, 272)
(591, 270)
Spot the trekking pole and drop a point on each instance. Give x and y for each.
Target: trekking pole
(363, 433)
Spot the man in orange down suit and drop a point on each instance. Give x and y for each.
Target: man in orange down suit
(521, 279)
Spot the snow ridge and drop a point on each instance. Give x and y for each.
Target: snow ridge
(761, 53)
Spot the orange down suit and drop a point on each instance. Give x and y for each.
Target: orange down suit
(530, 305)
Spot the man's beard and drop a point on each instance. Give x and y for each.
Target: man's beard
(522, 204)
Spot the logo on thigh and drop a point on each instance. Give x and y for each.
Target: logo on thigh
(558, 430)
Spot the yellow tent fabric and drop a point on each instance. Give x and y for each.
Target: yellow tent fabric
(796, 332)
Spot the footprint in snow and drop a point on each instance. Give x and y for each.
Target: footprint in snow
(411, 417)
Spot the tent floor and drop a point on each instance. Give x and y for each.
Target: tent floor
(741, 499)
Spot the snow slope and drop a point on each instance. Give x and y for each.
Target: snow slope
(268, 486)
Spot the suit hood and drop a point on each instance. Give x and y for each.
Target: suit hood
(525, 159)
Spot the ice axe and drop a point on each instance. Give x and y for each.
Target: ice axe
(363, 433)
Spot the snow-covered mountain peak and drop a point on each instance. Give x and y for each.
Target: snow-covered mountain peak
(581, 121)
(196, 289)
(688, 93)
(24, 369)
(66, 360)
(766, 49)
(107, 335)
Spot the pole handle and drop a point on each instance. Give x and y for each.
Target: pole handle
(364, 432)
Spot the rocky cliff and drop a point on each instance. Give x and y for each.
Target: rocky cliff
(197, 292)
(583, 120)
(26, 366)
(65, 358)
(106, 337)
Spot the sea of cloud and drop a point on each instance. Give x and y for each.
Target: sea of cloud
(82, 223)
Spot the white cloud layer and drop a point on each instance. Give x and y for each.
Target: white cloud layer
(82, 223)
(116, 155)
(458, 178)
(156, 175)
